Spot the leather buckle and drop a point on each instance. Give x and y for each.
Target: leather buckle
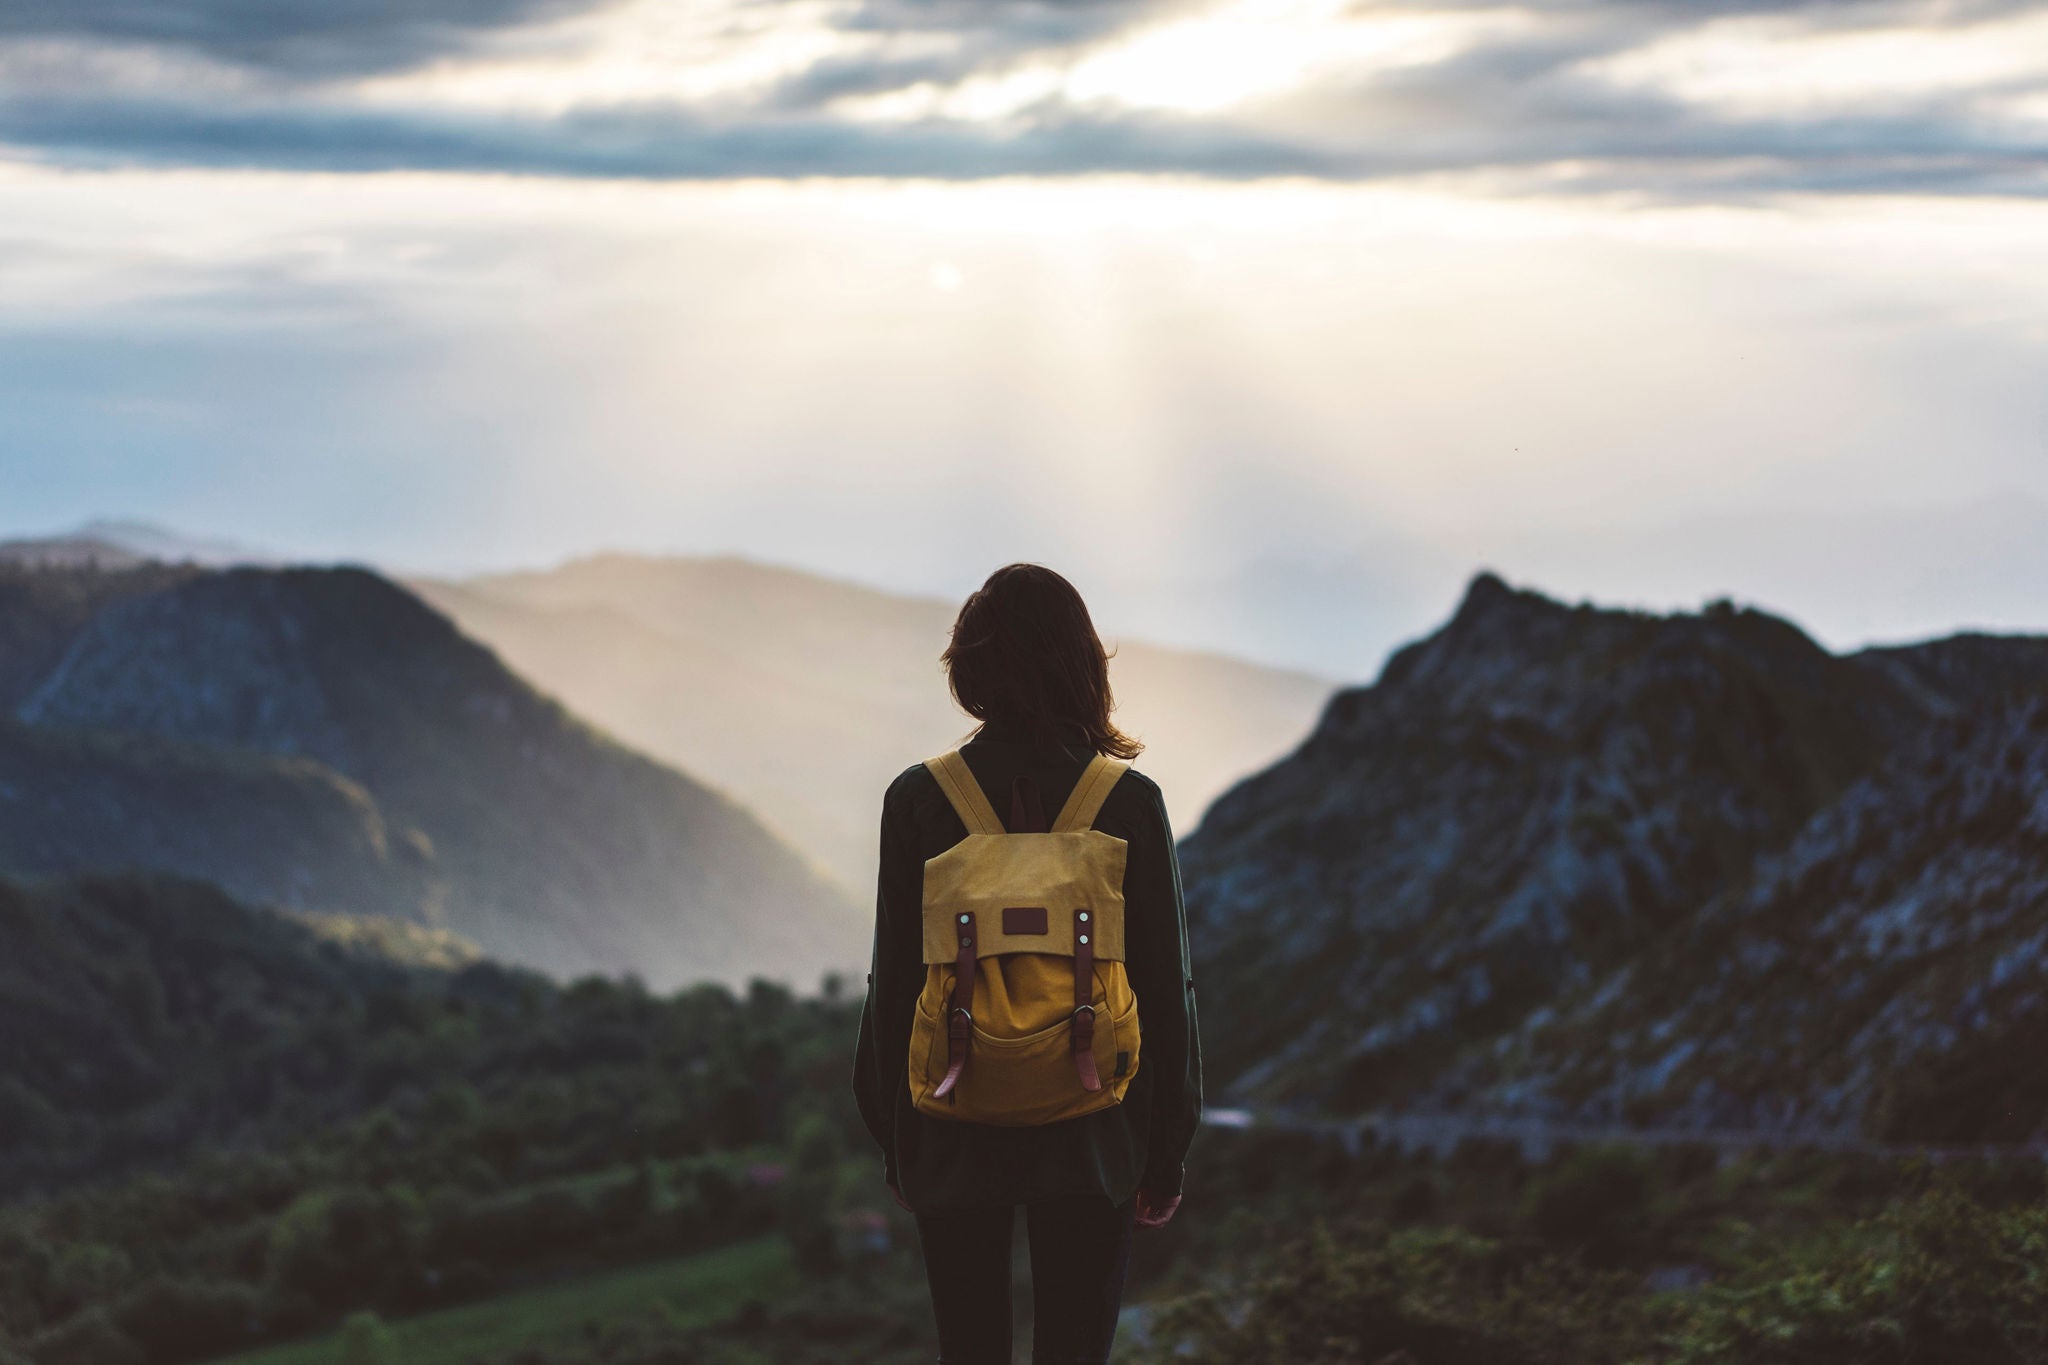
(963, 1011)
(1089, 1008)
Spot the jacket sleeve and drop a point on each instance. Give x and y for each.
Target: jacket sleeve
(894, 977)
(1156, 927)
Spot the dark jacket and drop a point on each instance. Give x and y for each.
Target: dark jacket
(940, 1165)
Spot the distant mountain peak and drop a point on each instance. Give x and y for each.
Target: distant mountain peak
(149, 540)
(113, 543)
(1492, 604)
(1486, 590)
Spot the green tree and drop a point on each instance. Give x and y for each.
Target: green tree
(365, 1340)
(810, 1205)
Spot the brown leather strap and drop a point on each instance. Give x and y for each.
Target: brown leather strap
(1084, 1000)
(959, 1009)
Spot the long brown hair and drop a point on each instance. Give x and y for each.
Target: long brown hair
(1025, 653)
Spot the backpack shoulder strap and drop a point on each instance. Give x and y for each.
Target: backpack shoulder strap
(1089, 793)
(969, 803)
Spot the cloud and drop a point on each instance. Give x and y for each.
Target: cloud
(314, 38)
(1662, 97)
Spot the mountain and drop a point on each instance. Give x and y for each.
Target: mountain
(43, 607)
(804, 696)
(1620, 866)
(1887, 971)
(108, 543)
(322, 739)
(281, 830)
(68, 552)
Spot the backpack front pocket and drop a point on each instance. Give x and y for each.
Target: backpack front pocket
(1019, 1081)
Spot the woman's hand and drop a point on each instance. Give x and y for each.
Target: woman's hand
(1154, 1212)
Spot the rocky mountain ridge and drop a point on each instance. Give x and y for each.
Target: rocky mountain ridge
(1606, 864)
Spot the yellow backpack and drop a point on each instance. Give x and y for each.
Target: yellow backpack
(1027, 1015)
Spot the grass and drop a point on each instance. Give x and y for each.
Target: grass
(690, 1291)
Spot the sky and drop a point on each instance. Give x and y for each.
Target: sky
(1269, 321)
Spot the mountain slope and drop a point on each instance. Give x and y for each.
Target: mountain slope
(1621, 868)
(1888, 972)
(274, 830)
(43, 609)
(1522, 801)
(162, 1003)
(557, 847)
(804, 696)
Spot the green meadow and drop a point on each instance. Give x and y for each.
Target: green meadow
(684, 1293)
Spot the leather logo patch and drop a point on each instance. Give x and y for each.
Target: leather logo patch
(1023, 919)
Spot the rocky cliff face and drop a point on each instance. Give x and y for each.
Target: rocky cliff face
(1538, 865)
(1887, 971)
(537, 837)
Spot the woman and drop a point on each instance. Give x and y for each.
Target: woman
(1025, 661)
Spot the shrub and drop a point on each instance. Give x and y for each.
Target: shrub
(1443, 1297)
(91, 1338)
(182, 1320)
(1596, 1200)
(366, 1341)
(1939, 1279)
(346, 1246)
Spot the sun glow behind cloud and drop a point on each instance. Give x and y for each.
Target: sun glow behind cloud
(1217, 58)
(707, 51)
(1245, 50)
(1207, 61)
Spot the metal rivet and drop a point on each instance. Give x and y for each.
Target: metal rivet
(1084, 917)
(965, 941)
(965, 918)
(1084, 938)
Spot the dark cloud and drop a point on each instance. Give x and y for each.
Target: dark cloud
(1038, 22)
(648, 143)
(304, 37)
(1517, 107)
(347, 37)
(984, 34)
(1643, 149)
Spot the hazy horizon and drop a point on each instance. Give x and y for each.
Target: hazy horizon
(1283, 615)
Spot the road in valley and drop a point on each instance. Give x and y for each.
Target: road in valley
(1537, 1137)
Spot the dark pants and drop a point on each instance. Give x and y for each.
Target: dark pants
(1079, 1248)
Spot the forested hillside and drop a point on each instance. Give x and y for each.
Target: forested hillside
(223, 1126)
